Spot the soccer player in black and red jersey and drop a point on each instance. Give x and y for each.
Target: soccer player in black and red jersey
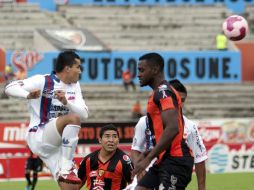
(33, 165)
(173, 168)
(108, 168)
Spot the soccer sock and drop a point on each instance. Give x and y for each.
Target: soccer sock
(27, 175)
(35, 176)
(69, 143)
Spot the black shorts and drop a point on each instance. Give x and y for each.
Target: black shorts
(171, 173)
(34, 164)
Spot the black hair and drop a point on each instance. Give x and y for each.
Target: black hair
(178, 86)
(65, 58)
(154, 58)
(108, 127)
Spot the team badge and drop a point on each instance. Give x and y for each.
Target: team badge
(101, 172)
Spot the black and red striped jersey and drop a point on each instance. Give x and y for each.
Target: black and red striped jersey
(163, 98)
(114, 174)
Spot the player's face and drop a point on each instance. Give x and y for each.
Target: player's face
(109, 140)
(144, 73)
(74, 71)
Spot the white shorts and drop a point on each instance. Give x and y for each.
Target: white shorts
(46, 143)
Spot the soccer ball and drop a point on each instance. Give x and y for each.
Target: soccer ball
(235, 27)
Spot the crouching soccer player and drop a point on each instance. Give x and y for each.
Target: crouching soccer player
(108, 168)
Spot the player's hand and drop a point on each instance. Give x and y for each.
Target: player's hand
(60, 95)
(34, 94)
(140, 166)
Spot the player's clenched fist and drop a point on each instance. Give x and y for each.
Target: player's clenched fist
(34, 94)
(60, 95)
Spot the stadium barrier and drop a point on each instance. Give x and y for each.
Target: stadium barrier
(229, 143)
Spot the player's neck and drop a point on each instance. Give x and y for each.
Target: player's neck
(157, 81)
(104, 155)
(62, 77)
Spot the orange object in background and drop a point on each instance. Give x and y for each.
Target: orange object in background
(20, 1)
(2, 65)
(247, 49)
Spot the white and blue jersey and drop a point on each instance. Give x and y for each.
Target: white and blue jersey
(47, 107)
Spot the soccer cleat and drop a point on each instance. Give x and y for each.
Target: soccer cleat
(69, 177)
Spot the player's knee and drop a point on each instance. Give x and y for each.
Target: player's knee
(35, 176)
(74, 119)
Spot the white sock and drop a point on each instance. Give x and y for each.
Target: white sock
(69, 143)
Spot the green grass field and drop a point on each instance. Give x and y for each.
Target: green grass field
(238, 181)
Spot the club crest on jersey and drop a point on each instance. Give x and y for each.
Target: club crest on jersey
(48, 93)
(101, 172)
(163, 88)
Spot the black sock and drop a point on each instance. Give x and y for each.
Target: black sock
(35, 176)
(27, 175)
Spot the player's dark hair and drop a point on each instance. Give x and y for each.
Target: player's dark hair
(178, 86)
(154, 59)
(65, 58)
(108, 127)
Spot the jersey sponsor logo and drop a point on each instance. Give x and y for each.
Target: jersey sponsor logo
(126, 158)
(134, 141)
(68, 92)
(198, 140)
(71, 98)
(98, 188)
(93, 174)
(57, 110)
(97, 183)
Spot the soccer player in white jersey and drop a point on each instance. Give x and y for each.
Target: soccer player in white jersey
(142, 142)
(57, 109)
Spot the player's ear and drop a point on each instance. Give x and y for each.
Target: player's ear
(67, 68)
(155, 69)
(99, 139)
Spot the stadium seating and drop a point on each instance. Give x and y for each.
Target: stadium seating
(132, 28)
(111, 103)
(150, 28)
(19, 21)
(121, 27)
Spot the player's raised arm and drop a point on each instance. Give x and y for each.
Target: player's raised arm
(24, 88)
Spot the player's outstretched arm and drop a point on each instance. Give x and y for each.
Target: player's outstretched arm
(15, 89)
